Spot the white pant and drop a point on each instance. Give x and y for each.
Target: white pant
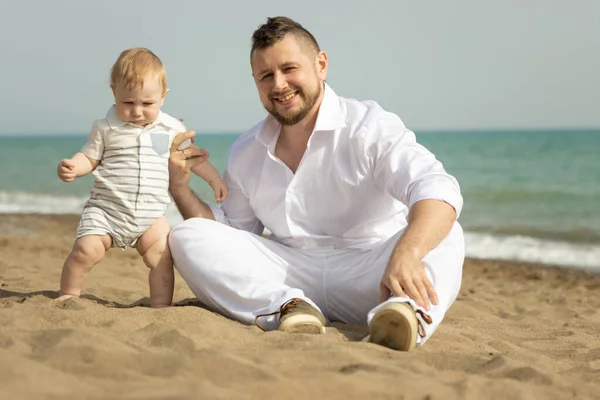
(241, 275)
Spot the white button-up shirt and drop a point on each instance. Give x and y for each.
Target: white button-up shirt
(361, 172)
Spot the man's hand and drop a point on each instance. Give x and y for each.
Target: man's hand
(66, 170)
(429, 222)
(182, 161)
(405, 277)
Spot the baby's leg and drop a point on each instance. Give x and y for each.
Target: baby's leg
(152, 245)
(87, 251)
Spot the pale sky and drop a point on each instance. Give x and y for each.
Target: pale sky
(472, 64)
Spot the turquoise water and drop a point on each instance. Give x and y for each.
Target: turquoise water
(516, 184)
(28, 163)
(542, 184)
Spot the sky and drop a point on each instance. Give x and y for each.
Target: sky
(445, 65)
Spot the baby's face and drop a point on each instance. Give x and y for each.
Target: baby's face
(139, 106)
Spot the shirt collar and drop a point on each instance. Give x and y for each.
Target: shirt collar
(112, 118)
(330, 115)
(329, 118)
(115, 122)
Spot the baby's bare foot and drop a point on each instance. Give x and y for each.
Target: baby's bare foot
(65, 297)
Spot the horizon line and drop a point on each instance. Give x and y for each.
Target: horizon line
(416, 130)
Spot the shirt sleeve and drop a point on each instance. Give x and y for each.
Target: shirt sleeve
(235, 210)
(94, 147)
(176, 127)
(405, 169)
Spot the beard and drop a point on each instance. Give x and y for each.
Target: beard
(292, 118)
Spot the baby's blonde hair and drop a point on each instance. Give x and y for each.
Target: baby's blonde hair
(133, 65)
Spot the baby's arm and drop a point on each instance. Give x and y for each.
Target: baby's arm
(76, 166)
(209, 173)
(85, 161)
(206, 170)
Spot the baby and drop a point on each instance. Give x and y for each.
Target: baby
(128, 152)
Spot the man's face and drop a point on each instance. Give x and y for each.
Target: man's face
(289, 77)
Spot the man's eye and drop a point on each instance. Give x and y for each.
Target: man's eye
(267, 76)
(148, 104)
(128, 102)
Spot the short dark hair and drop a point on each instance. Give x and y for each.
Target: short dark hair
(277, 28)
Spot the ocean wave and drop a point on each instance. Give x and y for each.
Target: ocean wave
(531, 249)
(478, 244)
(31, 203)
(561, 233)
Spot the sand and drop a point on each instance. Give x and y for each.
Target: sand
(517, 331)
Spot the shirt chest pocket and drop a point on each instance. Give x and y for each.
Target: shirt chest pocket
(160, 143)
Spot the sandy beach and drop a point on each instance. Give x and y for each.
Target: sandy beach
(517, 331)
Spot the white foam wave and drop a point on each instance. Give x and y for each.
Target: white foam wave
(524, 248)
(478, 245)
(30, 203)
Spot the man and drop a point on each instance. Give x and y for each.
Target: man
(363, 220)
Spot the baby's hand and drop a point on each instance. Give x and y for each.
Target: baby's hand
(219, 187)
(66, 170)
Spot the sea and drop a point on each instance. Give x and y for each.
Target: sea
(528, 195)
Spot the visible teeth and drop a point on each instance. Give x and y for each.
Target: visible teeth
(286, 98)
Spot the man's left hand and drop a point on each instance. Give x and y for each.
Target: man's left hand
(405, 277)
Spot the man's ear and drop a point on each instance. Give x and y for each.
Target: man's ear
(322, 63)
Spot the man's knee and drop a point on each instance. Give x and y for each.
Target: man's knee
(191, 229)
(195, 237)
(453, 245)
(456, 237)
